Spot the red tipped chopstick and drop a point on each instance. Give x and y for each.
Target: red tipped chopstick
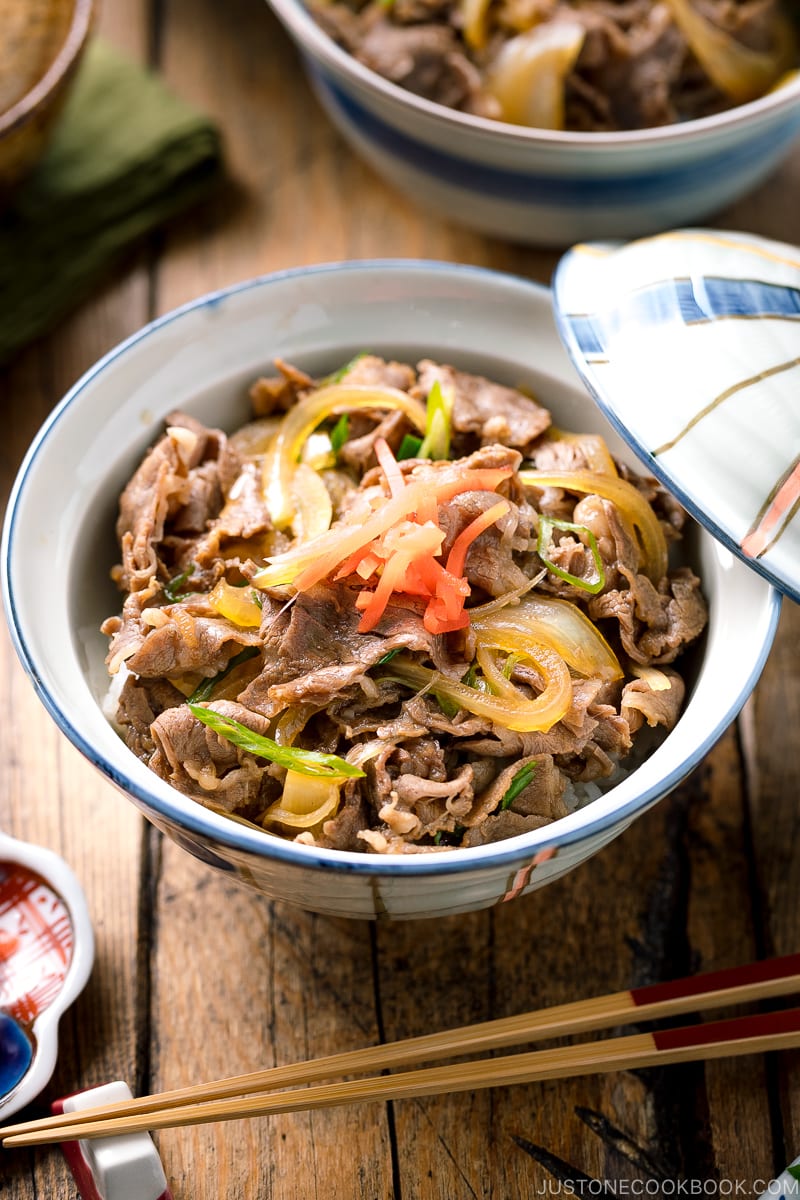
(243, 1095)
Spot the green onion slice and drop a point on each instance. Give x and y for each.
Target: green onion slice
(546, 527)
(340, 433)
(518, 784)
(436, 443)
(409, 447)
(304, 762)
(172, 588)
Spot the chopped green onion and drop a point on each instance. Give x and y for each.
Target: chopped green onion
(518, 784)
(203, 690)
(409, 447)
(546, 527)
(340, 433)
(470, 678)
(304, 762)
(436, 443)
(257, 597)
(388, 656)
(448, 706)
(474, 679)
(509, 664)
(172, 587)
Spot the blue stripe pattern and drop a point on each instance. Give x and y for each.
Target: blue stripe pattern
(527, 187)
(690, 301)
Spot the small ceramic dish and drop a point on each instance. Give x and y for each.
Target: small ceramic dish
(689, 342)
(59, 547)
(46, 955)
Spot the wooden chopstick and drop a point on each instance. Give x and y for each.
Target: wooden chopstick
(735, 985)
(716, 1039)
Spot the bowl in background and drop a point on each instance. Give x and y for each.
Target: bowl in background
(42, 43)
(539, 186)
(58, 546)
(46, 956)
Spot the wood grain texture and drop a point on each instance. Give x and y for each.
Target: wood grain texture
(196, 978)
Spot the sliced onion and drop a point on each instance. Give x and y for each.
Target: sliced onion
(473, 22)
(739, 72)
(237, 604)
(528, 77)
(313, 507)
(305, 802)
(555, 623)
(284, 450)
(519, 712)
(630, 503)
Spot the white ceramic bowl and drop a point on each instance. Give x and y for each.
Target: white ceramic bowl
(538, 186)
(58, 545)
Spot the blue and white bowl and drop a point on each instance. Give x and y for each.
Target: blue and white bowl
(539, 186)
(58, 547)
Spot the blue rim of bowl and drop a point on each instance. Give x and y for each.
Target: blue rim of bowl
(312, 38)
(196, 819)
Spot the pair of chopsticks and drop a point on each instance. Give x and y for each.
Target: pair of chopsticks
(255, 1094)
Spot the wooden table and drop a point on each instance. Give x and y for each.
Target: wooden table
(195, 977)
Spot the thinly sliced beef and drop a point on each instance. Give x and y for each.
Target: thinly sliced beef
(643, 702)
(178, 488)
(489, 411)
(654, 626)
(539, 803)
(140, 702)
(316, 652)
(198, 762)
(279, 393)
(490, 561)
(185, 643)
(424, 59)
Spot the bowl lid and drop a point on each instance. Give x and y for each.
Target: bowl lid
(690, 343)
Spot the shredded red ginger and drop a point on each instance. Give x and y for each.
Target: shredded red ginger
(404, 557)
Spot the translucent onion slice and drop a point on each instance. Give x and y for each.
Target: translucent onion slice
(629, 501)
(305, 802)
(235, 603)
(555, 623)
(529, 74)
(284, 450)
(473, 22)
(739, 72)
(313, 507)
(519, 713)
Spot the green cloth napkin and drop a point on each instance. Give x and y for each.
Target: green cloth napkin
(126, 155)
